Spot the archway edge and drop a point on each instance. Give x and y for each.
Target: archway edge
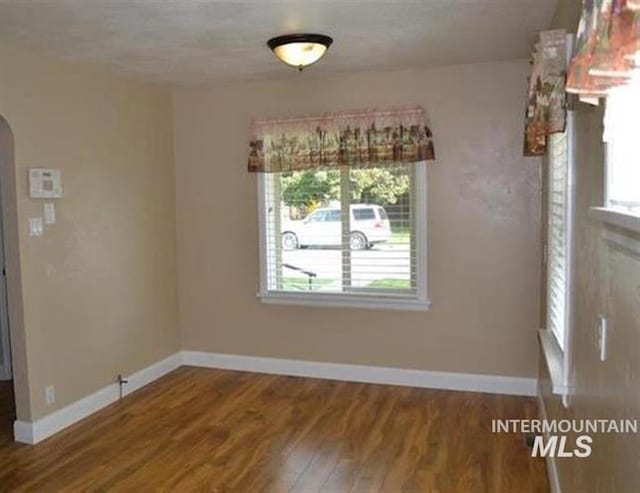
(10, 230)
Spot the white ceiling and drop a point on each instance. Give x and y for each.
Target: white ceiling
(194, 41)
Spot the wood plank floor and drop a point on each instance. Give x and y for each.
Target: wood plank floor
(7, 413)
(210, 430)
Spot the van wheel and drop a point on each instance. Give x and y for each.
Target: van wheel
(358, 241)
(289, 241)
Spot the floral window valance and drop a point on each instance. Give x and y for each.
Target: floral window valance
(358, 139)
(546, 100)
(607, 52)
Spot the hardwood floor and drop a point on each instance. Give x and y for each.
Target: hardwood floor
(7, 413)
(210, 430)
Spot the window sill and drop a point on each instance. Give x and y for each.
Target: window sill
(344, 301)
(554, 357)
(616, 217)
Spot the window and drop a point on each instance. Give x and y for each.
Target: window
(621, 136)
(558, 235)
(313, 252)
(560, 200)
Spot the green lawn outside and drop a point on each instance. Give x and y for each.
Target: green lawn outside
(400, 235)
(302, 283)
(390, 284)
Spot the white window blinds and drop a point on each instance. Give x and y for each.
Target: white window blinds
(558, 235)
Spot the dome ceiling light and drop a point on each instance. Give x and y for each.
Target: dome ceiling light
(300, 50)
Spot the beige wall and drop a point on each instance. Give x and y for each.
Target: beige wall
(483, 210)
(99, 288)
(607, 281)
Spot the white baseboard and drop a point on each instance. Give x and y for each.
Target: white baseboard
(367, 374)
(552, 468)
(36, 431)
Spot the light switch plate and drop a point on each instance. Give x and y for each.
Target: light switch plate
(49, 213)
(36, 226)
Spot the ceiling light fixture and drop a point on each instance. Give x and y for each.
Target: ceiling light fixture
(300, 50)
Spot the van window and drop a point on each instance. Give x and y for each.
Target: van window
(334, 215)
(317, 217)
(364, 214)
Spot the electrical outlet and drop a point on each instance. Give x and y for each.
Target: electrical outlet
(50, 395)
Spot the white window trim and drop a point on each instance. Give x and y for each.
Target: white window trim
(354, 300)
(555, 358)
(558, 360)
(616, 217)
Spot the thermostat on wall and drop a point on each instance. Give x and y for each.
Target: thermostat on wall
(45, 183)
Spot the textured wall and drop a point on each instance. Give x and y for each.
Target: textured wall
(483, 213)
(99, 288)
(607, 282)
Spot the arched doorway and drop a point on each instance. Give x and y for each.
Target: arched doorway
(13, 395)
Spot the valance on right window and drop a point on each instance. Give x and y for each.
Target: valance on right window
(369, 138)
(607, 52)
